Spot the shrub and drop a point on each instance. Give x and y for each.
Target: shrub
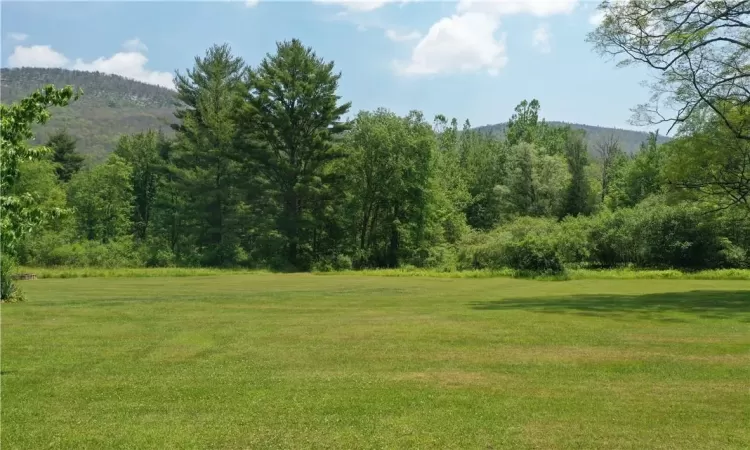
(119, 253)
(535, 254)
(8, 290)
(342, 262)
(675, 237)
(526, 244)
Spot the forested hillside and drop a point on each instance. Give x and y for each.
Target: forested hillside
(113, 105)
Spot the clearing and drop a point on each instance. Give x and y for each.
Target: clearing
(305, 361)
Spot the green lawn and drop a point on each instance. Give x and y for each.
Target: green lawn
(305, 361)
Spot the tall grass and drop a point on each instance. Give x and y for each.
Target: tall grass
(92, 272)
(570, 274)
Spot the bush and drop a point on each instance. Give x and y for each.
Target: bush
(342, 262)
(534, 254)
(526, 244)
(677, 237)
(8, 289)
(119, 253)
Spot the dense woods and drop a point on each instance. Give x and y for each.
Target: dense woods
(263, 170)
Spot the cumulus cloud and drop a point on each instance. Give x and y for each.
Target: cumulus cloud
(402, 37)
(134, 45)
(357, 5)
(18, 36)
(251, 3)
(362, 6)
(36, 56)
(540, 39)
(130, 64)
(468, 40)
(540, 8)
(460, 43)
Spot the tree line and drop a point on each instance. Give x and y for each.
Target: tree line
(264, 171)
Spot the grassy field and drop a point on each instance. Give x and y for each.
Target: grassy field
(305, 361)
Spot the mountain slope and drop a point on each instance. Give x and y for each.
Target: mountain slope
(113, 105)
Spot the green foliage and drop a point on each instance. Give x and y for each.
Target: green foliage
(205, 147)
(143, 152)
(536, 183)
(389, 165)
(120, 252)
(103, 200)
(8, 290)
(63, 148)
(710, 164)
(263, 171)
(578, 195)
(526, 244)
(292, 116)
(21, 212)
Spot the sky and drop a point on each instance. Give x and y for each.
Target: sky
(467, 59)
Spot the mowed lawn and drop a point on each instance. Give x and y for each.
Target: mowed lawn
(305, 361)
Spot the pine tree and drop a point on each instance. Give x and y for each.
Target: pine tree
(64, 154)
(211, 92)
(292, 108)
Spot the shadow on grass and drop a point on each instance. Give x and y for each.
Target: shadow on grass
(705, 304)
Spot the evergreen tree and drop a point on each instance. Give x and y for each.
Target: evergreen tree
(293, 110)
(63, 147)
(206, 140)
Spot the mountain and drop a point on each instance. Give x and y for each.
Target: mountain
(630, 140)
(113, 105)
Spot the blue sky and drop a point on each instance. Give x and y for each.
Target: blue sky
(464, 59)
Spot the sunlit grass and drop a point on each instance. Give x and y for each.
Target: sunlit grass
(305, 361)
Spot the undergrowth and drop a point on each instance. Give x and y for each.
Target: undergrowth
(570, 274)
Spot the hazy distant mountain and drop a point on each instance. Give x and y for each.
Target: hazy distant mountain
(630, 140)
(113, 105)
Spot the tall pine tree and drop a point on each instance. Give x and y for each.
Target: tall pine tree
(211, 92)
(293, 109)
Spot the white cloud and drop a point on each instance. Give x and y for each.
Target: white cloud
(460, 43)
(362, 6)
(36, 56)
(597, 18)
(129, 64)
(357, 5)
(18, 36)
(251, 3)
(402, 37)
(540, 8)
(134, 45)
(540, 39)
(467, 41)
